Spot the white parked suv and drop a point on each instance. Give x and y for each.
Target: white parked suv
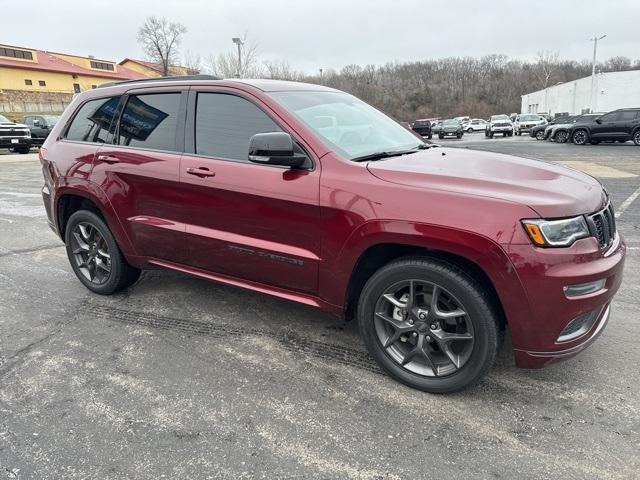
(526, 121)
(499, 124)
(476, 124)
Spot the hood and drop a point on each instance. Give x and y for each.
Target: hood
(550, 190)
(13, 125)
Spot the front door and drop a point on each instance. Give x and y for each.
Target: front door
(256, 222)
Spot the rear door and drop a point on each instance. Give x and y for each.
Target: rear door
(140, 171)
(257, 222)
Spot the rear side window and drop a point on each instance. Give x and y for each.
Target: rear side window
(150, 121)
(225, 123)
(626, 115)
(93, 121)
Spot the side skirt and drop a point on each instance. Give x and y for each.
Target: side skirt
(292, 296)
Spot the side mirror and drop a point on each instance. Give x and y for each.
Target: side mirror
(598, 121)
(274, 148)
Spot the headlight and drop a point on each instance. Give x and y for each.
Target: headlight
(556, 233)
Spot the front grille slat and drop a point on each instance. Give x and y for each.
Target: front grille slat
(13, 133)
(603, 225)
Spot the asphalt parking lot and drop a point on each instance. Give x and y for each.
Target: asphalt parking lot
(182, 378)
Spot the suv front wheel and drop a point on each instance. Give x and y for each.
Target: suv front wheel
(94, 255)
(636, 137)
(580, 137)
(428, 324)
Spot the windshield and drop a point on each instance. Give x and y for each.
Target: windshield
(500, 117)
(348, 125)
(529, 118)
(4, 120)
(51, 119)
(451, 122)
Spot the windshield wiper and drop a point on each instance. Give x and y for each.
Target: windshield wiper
(393, 153)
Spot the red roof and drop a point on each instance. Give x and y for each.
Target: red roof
(45, 61)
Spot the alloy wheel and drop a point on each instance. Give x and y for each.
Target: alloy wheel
(424, 328)
(540, 135)
(580, 137)
(561, 137)
(91, 253)
(636, 138)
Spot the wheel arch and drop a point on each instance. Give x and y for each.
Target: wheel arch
(478, 255)
(77, 196)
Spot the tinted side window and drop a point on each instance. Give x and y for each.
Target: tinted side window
(626, 115)
(225, 123)
(150, 121)
(92, 122)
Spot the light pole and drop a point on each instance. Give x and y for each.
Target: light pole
(238, 41)
(593, 70)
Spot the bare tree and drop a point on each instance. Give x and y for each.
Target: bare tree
(192, 63)
(160, 40)
(618, 64)
(281, 70)
(226, 64)
(546, 63)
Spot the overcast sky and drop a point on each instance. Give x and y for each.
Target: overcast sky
(312, 34)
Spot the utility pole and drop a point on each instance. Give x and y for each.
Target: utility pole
(593, 70)
(320, 75)
(238, 41)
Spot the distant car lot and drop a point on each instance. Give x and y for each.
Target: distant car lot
(201, 380)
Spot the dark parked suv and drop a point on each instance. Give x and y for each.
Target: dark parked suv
(619, 125)
(40, 127)
(422, 128)
(308, 194)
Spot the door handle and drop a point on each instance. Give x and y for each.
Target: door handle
(201, 172)
(110, 159)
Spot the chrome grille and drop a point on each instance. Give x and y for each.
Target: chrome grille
(603, 226)
(15, 132)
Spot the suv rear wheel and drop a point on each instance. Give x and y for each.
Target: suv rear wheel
(540, 135)
(94, 255)
(428, 324)
(636, 137)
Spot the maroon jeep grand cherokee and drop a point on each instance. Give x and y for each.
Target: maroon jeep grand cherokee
(308, 194)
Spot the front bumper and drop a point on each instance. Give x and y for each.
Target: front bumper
(451, 133)
(544, 273)
(501, 129)
(7, 142)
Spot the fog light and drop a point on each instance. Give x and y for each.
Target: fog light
(578, 326)
(580, 289)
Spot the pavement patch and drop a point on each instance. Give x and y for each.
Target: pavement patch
(595, 169)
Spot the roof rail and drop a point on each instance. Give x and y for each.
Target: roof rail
(159, 79)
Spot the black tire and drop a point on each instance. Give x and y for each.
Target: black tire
(486, 134)
(440, 136)
(510, 134)
(594, 142)
(429, 136)
(490, 134)
(121, 276)
(459, 136)
(23, 150)
(580, 137)
(636, 137)
(540, 135)
(476, 303)
(469, 130)
(561, 137)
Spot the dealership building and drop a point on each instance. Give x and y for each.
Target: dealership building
(36, 81)
(610, 91)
